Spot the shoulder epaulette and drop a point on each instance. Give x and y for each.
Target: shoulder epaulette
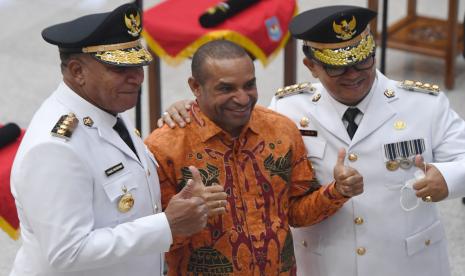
(419, 86)
(294, 89)
(65, 126)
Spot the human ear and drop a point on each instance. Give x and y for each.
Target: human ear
(76, 71)
(195, 86)
(310, 64)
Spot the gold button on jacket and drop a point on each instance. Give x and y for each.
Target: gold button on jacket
(358, 220)
(353, 157)
(361, 251)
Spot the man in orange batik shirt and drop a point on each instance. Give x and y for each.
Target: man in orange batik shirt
(258, 156)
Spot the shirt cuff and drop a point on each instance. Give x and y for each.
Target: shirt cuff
(332, 193)
(453, 173)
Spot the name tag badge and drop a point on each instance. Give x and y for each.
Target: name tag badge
(308, 132)
(114, 169)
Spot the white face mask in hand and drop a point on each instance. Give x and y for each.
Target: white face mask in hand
(407, 193)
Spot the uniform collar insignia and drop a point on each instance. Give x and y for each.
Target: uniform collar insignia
(316, 97)
(88, 121)
(389, 93)
(304, 122)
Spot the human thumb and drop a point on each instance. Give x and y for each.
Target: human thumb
(196, 176)
(341, 155)
(187, 191)
(197, 187)
(419, 162)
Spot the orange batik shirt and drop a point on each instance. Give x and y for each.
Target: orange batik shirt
(270, 186)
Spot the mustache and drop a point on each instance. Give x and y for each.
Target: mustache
(250, 104)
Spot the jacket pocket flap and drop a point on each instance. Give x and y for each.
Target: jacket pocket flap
(421, 240)
(315, 147)
(115, 188)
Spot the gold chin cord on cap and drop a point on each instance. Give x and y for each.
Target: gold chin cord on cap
(112, 47)
(344, 44)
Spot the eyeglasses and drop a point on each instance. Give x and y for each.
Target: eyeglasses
(339, 71)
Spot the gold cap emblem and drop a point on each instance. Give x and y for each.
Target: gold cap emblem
(304, 122)
(88, 121)
(126, 201)
(345, 30)
(133, 24)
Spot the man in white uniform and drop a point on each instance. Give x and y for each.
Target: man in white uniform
(403, 137)
(86, 188)
(383, 124)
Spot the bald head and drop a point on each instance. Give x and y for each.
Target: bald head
(217, 49)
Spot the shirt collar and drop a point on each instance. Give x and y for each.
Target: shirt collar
(83, 108)
(362, 106)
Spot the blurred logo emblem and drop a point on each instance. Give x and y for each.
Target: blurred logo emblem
(274, 28)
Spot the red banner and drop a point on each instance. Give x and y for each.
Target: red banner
(173, 32)
(9, 221)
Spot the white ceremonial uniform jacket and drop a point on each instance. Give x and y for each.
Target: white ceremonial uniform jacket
(371, 234)
(67, 194)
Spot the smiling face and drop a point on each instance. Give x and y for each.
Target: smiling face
(112, 88)
(349, 88)
(228, 92)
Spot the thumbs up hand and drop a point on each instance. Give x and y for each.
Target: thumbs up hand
(194, 186)
(349, 182)
(214, 195)
(188, 211)
(433, 186)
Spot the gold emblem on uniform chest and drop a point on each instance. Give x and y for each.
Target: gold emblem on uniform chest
(400, 125)
(389, 93)
(392, 165)
(88, 121)
(126, 201)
